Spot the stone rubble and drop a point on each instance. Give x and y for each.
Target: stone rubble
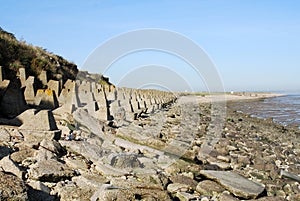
(87, 141)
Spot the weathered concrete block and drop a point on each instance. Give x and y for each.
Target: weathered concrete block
(126, 104)
(99, 110)
(67, 92)
(54, 85)
(41, 121)
(84, 87)
(22, 75)
(100, 97)
(85, 97)
(135, 105)
(43, 77)
(113, 107)
(68, 97)
(102, 113)
(71, 103)
(46, 99)
(93, 86)
(111, 96)
(29, 92)
(13, 101)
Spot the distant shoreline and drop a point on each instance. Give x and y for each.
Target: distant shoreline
(236, 96)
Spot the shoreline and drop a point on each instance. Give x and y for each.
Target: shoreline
(225, 98)
(257, 148)
(232, 97)
(135, 159)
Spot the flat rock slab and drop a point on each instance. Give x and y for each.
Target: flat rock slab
(50, 171)
(235, 183)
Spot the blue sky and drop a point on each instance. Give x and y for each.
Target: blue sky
(254, 44)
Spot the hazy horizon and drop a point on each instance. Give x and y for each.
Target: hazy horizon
(254, 45)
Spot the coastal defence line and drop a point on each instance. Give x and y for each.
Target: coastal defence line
(102, 101)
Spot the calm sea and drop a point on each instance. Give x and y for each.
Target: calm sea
(284, 109)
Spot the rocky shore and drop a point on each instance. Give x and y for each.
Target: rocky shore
(157, 156)
(66, 135)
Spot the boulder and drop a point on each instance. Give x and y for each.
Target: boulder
(209, 188)
(49, 149)
(69, 191)
(44, 154)
(77, 163)
(89, 181)
(177, 187)
(105, 192)
(222, 165)
(10, 166)
(52, 146)
(50, 171)
(68, 99)
(289, 175)
(38, 191)
(22, 154)
(235, 183)
(184, 180)
(12, 188)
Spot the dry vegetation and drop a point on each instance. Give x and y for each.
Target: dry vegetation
(16, 54)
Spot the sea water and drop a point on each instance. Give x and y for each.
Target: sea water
(283, 109)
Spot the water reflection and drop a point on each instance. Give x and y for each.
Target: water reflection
(284, 109)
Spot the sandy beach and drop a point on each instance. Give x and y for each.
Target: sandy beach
(226, 97)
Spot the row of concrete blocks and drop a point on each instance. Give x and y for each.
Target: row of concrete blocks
(104, 102)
